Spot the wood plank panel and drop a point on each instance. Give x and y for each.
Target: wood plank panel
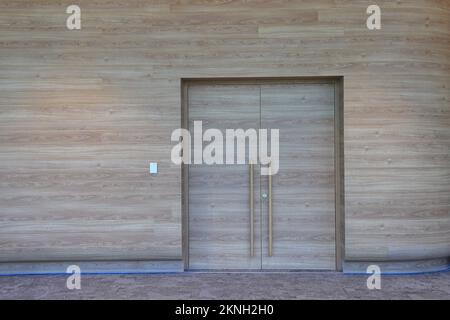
(108, 96)
(303, 190)
(219, 195)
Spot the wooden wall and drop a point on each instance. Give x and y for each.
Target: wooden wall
(82, 113)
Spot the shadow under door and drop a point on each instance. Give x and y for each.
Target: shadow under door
(240, 219)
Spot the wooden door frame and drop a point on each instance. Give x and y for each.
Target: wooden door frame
(338, 82)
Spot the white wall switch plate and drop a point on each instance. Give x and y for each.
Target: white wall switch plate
(153, 167)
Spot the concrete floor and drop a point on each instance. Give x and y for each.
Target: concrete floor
(301, 285)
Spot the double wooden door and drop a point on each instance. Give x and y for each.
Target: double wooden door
(240, 219)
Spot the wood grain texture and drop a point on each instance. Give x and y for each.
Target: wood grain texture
(219, 209)
(83, 112)
(90, 267)
(399, 267)
(304, 187)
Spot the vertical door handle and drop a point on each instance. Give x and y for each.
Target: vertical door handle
(270, 211)
(252, 212)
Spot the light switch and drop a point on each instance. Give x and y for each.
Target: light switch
(153, 168)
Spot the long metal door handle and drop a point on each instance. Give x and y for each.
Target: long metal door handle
(252, 212)
(270, 211)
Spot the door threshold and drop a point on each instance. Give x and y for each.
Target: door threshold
(258, 271)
